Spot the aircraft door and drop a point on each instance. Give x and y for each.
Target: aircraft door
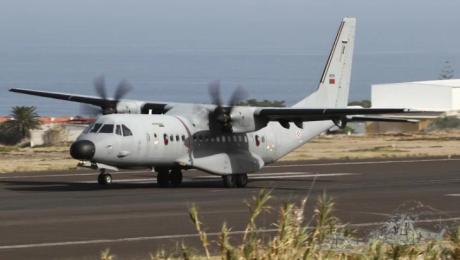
(155, 142)
(126, 143)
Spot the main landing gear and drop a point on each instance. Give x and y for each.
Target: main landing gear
(104, 178)
(166, 177)
(235, 180)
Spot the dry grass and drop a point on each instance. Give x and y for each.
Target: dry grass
(297, 237)
(16, 159)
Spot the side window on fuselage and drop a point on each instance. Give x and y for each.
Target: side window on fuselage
(118, 130)
(126, 131)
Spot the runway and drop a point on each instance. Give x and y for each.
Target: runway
(56, 215)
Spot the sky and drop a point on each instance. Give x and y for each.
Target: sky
(218, 25)
(61, 45)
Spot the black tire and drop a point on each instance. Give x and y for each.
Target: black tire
(104, 178)
(229, 181)
(176, 177)
(163, 178)
(241, 180)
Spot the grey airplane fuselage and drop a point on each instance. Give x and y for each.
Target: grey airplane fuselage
(168, 140)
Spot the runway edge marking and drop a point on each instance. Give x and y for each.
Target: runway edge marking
(361, 163)
(37, 175)
(144, 238)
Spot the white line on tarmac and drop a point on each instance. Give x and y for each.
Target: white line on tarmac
(255, 174)
(361, 163)
(38, 175)
(280, 175)
(181, 236)
(302, 176)
(453, 195)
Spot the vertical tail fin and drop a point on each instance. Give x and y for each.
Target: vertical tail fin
(334, 86)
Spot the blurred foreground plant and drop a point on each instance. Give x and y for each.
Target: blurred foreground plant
(321, 237)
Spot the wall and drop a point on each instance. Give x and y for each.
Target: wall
(414, 96)
(70, 133)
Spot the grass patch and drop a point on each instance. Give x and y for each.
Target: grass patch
(379, 149)
(8, 149)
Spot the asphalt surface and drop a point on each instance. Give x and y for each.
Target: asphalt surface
(66, 215)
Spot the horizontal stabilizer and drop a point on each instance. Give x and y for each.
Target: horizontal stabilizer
(319, 114)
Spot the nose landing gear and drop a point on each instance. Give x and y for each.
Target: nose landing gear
(104, 178)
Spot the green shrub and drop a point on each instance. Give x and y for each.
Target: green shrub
(446, 122)
(9, 134)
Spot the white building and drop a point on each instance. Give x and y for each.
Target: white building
(436, 95)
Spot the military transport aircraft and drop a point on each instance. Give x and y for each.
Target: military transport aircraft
(226, 140)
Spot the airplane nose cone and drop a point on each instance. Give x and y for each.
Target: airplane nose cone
(82, 150)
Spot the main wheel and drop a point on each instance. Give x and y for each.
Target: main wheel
(104, 178)
(175, 177)
(163, 178)
(229, 181)
(241, 180)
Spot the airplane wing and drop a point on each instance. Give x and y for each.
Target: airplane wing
(380, 119)
(156, 107)
(319, 114)
(92, 100)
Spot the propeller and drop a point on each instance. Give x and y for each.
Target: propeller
(220, 118)
(107, 105)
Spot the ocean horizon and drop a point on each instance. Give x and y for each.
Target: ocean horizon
(182, 76)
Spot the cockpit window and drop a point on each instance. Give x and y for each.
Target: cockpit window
(108, 129)
(126, 131)
(118, 130)
(95, 128)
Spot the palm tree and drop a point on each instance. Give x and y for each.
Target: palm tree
(25, 119)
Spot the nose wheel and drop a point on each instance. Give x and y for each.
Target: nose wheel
(104, 178)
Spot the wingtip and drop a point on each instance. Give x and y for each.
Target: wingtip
(349, 18)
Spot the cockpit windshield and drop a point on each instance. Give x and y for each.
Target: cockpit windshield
(101, 128)
(95, 128)
(106, 129)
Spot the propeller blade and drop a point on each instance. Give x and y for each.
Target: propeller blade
(220, 118)
(238, 95)
(99, 86)
(122, 89)
(214, 92)
(89, 110)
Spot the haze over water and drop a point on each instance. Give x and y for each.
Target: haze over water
(170, 50)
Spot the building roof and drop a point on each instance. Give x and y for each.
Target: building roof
(56, 120)
(452, 83)
(5, 118)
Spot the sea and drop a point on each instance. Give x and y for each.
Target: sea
(183, 76)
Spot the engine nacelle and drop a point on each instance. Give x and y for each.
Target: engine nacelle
(130, 107)
(243, 120)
